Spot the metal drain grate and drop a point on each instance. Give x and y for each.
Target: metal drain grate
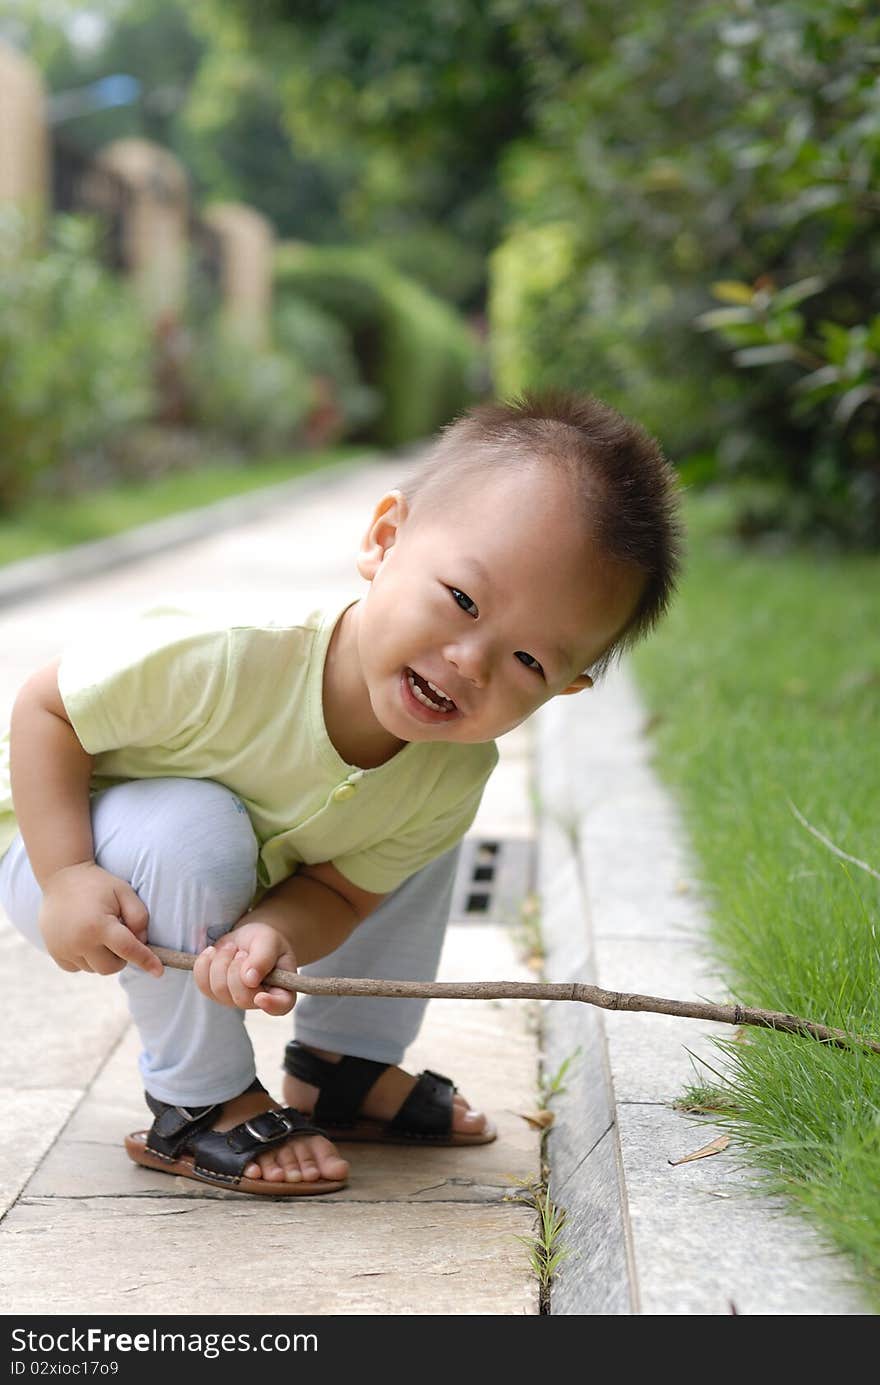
(494, 876)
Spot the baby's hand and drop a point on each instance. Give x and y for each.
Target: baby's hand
(231, 972)
(93, 921)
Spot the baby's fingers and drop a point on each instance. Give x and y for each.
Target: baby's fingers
(258, 957)
(275, 1001)
(242, 993)
(202, 971)
(219, 962)
(121, 941)
(133, 909)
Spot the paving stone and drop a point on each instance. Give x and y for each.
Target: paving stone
(31, 1122)
(704, 1240)
(506, 809)
(57, 1027)
(651, 1055)
(176, 1256)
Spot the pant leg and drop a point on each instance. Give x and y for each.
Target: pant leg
(188, 849)
(401, 940)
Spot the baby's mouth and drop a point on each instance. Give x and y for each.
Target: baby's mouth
(428, 693)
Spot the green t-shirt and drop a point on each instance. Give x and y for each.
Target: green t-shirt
(184, 693)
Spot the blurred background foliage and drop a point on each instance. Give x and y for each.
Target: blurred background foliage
(672, 204)
(75, 359)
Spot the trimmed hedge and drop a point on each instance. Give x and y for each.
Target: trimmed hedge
(415, 351)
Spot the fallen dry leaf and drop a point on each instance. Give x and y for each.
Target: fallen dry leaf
(714, 1148)
(538, 1120)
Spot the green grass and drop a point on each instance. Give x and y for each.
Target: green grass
(764, 687)
(545, 1249)
(43, 526)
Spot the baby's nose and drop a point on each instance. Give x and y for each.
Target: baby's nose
(471, 662)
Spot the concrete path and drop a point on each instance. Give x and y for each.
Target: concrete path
(417, 1231)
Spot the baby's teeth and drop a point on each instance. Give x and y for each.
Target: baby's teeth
(438, 691)
(422, 697)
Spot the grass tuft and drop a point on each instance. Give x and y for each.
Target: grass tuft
(545, 1250)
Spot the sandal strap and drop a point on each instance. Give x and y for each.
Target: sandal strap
(342, 1085)
(427, 1111)
(174, 1125)
(224, 1154)
(301, 1062)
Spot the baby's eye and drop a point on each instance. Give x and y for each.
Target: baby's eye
(529, 661)
(464, 601)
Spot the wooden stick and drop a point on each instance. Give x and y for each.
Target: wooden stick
(535, 990)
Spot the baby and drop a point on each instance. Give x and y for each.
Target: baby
(291, 792)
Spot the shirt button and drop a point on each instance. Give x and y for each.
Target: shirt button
(343, 792)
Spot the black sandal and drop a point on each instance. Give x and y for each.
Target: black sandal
(181, 1142)
(424, 1118)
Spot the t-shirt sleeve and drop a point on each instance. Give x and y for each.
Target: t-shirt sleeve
(383, 867)
(150, 679)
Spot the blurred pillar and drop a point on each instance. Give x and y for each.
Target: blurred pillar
(154, 237)
(24, 138)
(248, 241)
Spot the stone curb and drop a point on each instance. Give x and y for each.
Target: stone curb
(619, 909)
(583, 1148)
(33, 576)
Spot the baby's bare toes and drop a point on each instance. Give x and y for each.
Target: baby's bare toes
(300, 1160)
(271, 1167)
(464, 1119)
(287, 1158)
(328, 1159)
(308, 1166)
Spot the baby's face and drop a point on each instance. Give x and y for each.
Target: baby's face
(482, 607)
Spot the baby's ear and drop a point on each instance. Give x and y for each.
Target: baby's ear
(380, 537)
(582, 681)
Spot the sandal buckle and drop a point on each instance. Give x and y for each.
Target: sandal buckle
(194, 1113)
(277, 1118)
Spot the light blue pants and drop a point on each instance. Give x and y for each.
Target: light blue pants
(188, 849)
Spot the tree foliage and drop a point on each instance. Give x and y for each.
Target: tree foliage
(679, 145)
(619, 162)
(419, 102)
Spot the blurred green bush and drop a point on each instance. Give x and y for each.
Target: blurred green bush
(438, 259)
(255, 397)
(414, 351)
(75, 356)
(322, 347)
(679, 144)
